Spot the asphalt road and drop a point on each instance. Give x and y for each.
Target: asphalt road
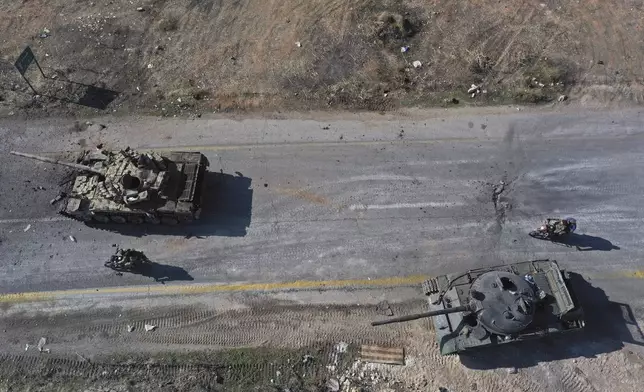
(366, 197)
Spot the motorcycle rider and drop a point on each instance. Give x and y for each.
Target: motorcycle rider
(128, 258)
(562, 226)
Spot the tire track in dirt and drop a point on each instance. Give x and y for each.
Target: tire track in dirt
(287, 327)
(519, 30)
(501, 41)
(574, 380)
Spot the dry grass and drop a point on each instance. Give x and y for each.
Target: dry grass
(243, 55)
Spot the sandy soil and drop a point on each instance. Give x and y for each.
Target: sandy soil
(289, 341)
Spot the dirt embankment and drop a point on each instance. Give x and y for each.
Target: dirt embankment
(172, 57)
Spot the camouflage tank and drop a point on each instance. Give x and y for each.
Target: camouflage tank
(498, 305)
(133, 187)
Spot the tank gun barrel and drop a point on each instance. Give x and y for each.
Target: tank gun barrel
(58, 162)
(417, 316)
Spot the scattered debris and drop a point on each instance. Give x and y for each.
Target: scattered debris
(149, 327)
(562, 98)
(404, 49)
(384, 308)
(298, 44)
(130, 328)
(41, 345)
(332, 385)
(27, 228)
(45, 33)
(341, 347)
(96, 127)
(474, 90)
(149, 65)
(379, 354)
(72, 238)
(58, 198)
(417, 64)
(306, 359)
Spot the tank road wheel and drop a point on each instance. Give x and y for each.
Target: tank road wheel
(118, 219)
(100, 218)
(153, 220)
(134, 219)
(169, 220)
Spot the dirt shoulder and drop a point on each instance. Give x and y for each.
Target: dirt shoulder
(291, 341)
(168, 57)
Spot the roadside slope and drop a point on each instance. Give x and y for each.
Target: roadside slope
(177, 57)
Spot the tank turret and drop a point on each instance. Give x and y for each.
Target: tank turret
(128, 186)
(497, 305)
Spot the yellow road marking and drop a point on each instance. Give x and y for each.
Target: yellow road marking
(631, 274)
(206, 288)
(213, 288)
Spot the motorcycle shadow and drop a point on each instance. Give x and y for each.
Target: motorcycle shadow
(161, 272)
(584, 242)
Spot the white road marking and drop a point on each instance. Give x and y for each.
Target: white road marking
(364, 207)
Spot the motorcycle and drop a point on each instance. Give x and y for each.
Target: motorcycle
(127, 260)
(554, 228)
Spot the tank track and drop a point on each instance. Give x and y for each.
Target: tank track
(430, 286)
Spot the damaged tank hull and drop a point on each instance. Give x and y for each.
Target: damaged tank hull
(499, 305)
(130, 187)
(560, 311)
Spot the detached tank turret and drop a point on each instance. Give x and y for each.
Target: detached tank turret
(497, 305)
(127, 186)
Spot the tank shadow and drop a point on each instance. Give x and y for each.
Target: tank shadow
(609, 326)
(584, 242)
(226, 211)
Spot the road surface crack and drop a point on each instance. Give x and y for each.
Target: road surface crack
(501, 206)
